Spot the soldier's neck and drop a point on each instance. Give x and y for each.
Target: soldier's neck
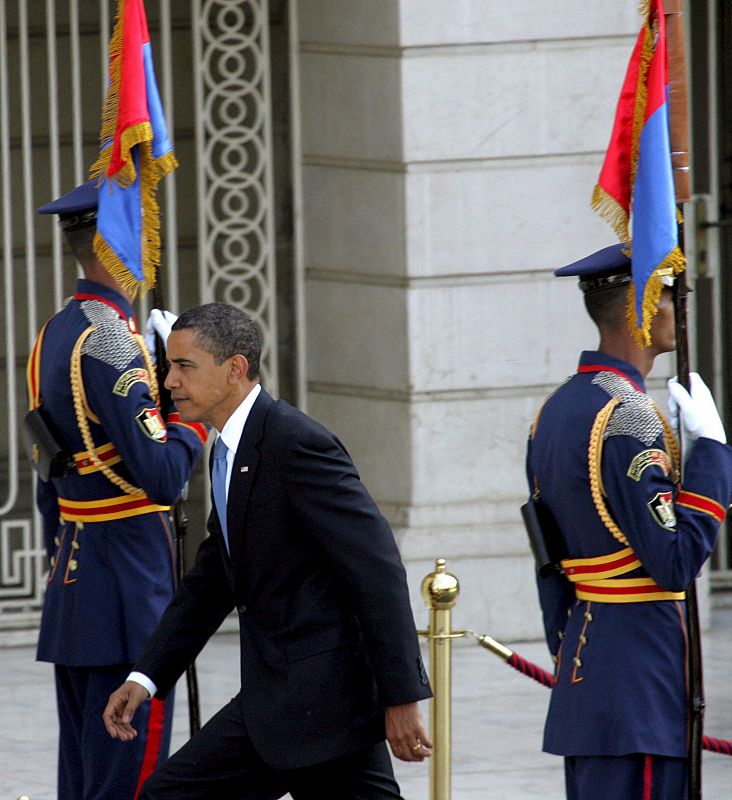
(625, 348)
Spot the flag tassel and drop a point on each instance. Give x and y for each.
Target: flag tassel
(608, 208)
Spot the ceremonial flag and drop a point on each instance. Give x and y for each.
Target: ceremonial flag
(135, 153)
(635, 191)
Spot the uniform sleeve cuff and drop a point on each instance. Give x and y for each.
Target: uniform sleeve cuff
(144, 681)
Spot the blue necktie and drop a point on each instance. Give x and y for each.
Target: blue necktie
(218, 482)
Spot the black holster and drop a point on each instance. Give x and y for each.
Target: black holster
(48, 457)
(545, 538)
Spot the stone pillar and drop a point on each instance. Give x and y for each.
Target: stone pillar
(449, 156)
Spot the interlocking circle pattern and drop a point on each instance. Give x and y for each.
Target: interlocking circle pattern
(237, 163)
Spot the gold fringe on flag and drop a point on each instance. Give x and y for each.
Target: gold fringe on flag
(602, 203)
(641, 101)
(151, 170)
(652, 294)
(114, 266)
(607, 207)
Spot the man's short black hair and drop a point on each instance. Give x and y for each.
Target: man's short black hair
(224, 331)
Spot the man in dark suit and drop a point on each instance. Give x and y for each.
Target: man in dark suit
(330, 661)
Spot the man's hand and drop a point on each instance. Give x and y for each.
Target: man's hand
(121, 708)
(406, 734)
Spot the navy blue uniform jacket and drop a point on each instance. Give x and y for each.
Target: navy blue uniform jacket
(621, 672)
(326, 628)
(111, 577)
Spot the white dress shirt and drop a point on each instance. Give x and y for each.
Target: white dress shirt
(231, 434)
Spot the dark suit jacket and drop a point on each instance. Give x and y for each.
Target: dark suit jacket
(327, 633)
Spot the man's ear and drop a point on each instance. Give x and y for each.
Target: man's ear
(238, 368)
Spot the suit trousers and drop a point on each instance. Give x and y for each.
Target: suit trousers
(91, 764)
(220, 762)
(633, 777)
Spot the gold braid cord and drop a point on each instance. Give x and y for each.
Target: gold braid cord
(79, 396)
(595, 462)
(149, 366)
(672, 445)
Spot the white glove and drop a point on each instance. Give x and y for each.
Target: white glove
(159, 322)
(699, 416)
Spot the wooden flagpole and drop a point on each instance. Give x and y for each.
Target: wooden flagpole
(679, 138)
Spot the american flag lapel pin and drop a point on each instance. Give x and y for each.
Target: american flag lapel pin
(244, 469)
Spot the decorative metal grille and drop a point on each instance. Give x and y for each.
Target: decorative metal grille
(53, 71)
(235, 192)
(42, 147)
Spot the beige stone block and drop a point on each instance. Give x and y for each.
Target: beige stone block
(351, 106)
(354, 220)
(473, 451)
(434, 22)
(502, 333)
(412, 23)
(512, 100)
(357, 335)
(503, 216)
(349, 22)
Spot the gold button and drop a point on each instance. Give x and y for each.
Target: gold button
(79, 525)
(588, 616)
(57, 541)
(583, 639)
(577, 661)
(73, 564)
(75, 545)
(53, 562)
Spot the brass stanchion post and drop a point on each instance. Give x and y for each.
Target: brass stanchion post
(440, 590)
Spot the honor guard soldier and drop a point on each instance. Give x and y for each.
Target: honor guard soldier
(629, 536)
(104, 494)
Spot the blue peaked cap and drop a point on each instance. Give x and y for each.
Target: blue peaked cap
(77, 208)
(607, 267)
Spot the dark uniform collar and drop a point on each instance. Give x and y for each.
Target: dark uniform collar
(605, 362)
(87, 290)
(90, 290)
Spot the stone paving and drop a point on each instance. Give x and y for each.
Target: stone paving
(497, 721)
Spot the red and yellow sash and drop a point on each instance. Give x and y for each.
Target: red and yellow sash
(597, 579)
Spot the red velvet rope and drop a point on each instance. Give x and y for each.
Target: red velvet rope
(717, 745)
(547, 679)
(532, 670)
